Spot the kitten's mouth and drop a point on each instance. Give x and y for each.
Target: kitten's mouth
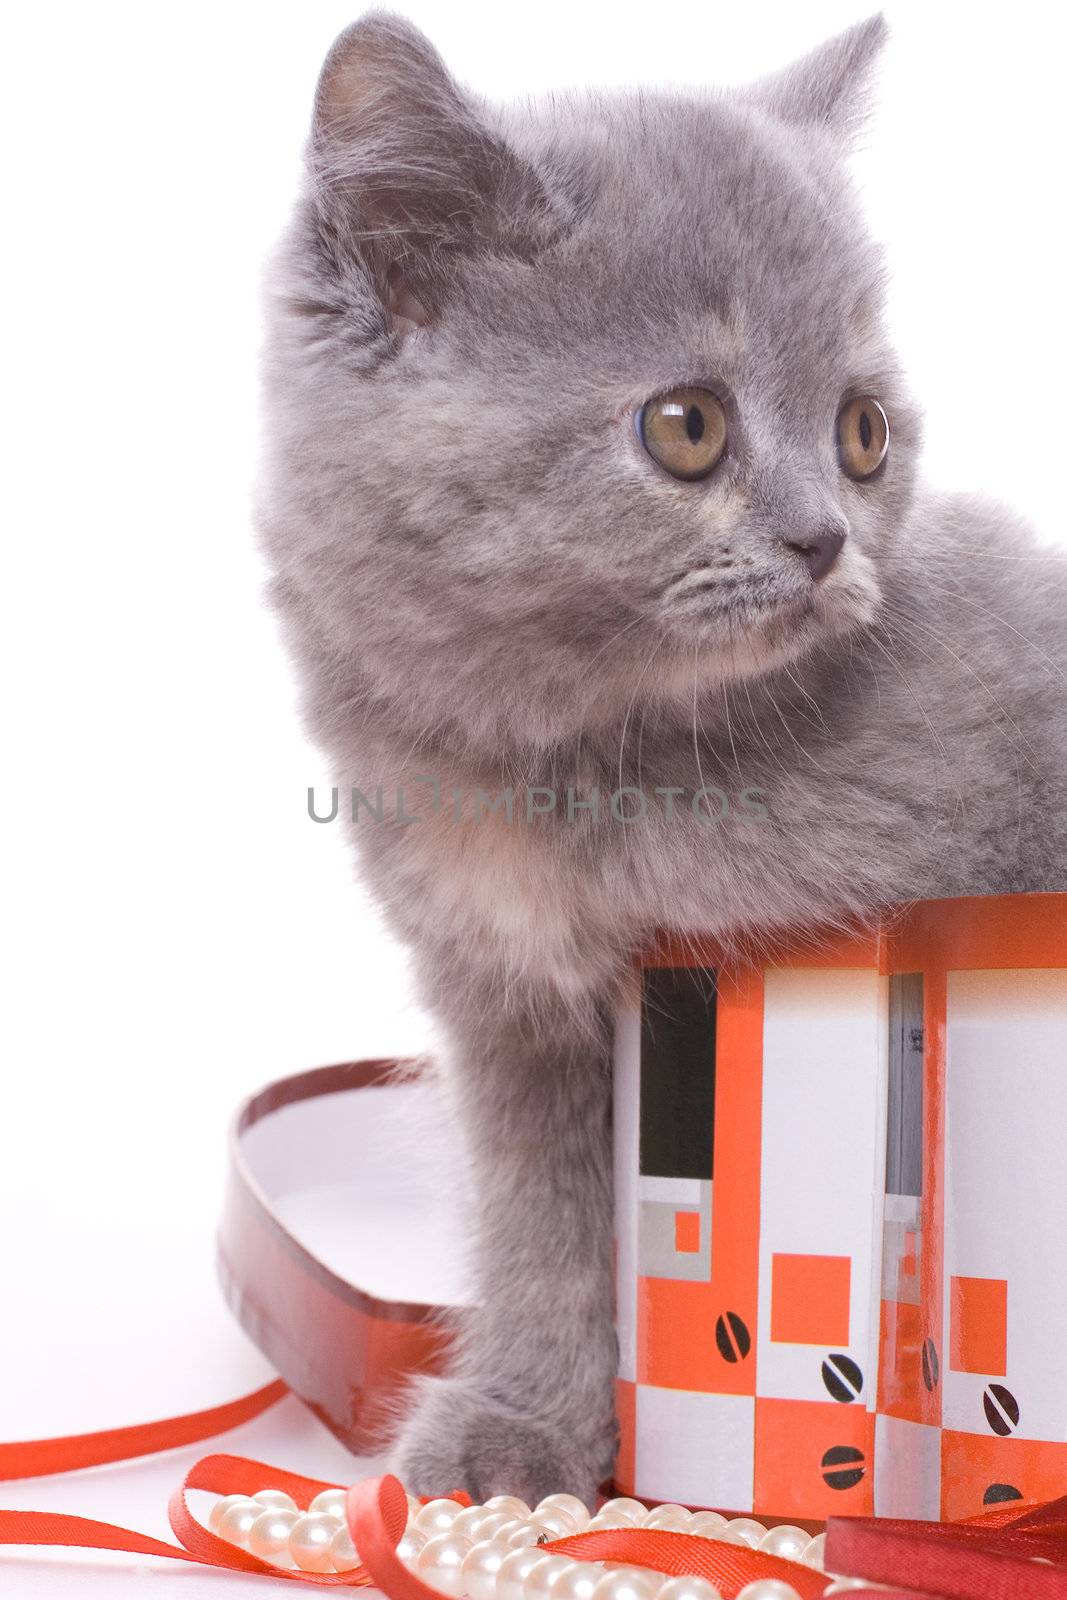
(738, 606)
(742, 628)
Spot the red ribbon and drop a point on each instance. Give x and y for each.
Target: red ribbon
(1000, 1555)
(39, 1458)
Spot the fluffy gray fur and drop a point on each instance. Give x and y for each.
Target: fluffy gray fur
(485, 579)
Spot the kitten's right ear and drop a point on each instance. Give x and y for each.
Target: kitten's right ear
(407, 175)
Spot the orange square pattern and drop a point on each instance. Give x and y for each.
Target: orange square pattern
(979, 1326)
(810, 1299)
(970, 1462)
(687, 1232)
(676, 1344)
(813, 1459)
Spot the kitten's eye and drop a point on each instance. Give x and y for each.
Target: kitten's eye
(862, 437)
(684, 430)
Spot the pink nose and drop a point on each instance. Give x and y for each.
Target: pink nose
(820, 547)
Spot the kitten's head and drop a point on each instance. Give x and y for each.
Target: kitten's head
(580, 403)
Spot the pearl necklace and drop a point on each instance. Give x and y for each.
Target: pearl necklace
(493, 1551)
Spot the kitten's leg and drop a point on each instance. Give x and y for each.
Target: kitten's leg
(527, 1407)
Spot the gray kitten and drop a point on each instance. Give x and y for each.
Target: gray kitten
(590, 468)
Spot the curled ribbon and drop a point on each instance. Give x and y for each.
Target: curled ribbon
(1016, 1553)
(1013, 1553)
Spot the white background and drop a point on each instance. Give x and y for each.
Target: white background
(176, 930)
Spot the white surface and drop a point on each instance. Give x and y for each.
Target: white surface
(823, 1157)
(907, 1469)
(1006, 1183)
(687, 1442)
(176, 930)
(396, 1224)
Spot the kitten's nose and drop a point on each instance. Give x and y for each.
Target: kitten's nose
(820, 547)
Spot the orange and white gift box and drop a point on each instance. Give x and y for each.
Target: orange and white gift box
(841, 1198)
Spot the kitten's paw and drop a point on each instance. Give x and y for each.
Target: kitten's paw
(458, 1439)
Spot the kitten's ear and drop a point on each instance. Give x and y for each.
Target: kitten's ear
(830, 87)
(407, 174)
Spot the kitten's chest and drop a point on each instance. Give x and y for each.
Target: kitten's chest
(549, 868)
(551, 875)
(726, 835)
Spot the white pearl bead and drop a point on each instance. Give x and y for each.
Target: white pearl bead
(436, 1516)
(579, 1581)
(513, 1570)
(506, 1529)
(706, 1523)
(343, 1553)
(622, 1506)
(555, 1522)
(768, 1589)
(236, 1521)
(607, 1520)
(786, 1541)
(496, 1524)
(440, 1560)
(673, 1519)
(275, 1500)
(331, 1502)
(541, 1578)
(268, 1537)
(569, 1504)
(480, 1567)
(688, 1588)
(628, 1583)
(414, 1504)
(815, 1554)
(310, 1540)
(411, 1542)
(470, 1520)
(509, 1503)
(527, 1533)
(221, 1506)
(669, 1510)
(748, 1529)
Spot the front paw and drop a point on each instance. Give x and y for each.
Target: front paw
(456, 1438)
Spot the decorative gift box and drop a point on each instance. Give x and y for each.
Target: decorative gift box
(842, 1205)
(841, 1185)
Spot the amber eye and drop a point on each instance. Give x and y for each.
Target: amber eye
(684, 430)
(862, 437)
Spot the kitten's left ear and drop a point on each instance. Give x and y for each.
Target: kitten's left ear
(830, 87)
(409, 177)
